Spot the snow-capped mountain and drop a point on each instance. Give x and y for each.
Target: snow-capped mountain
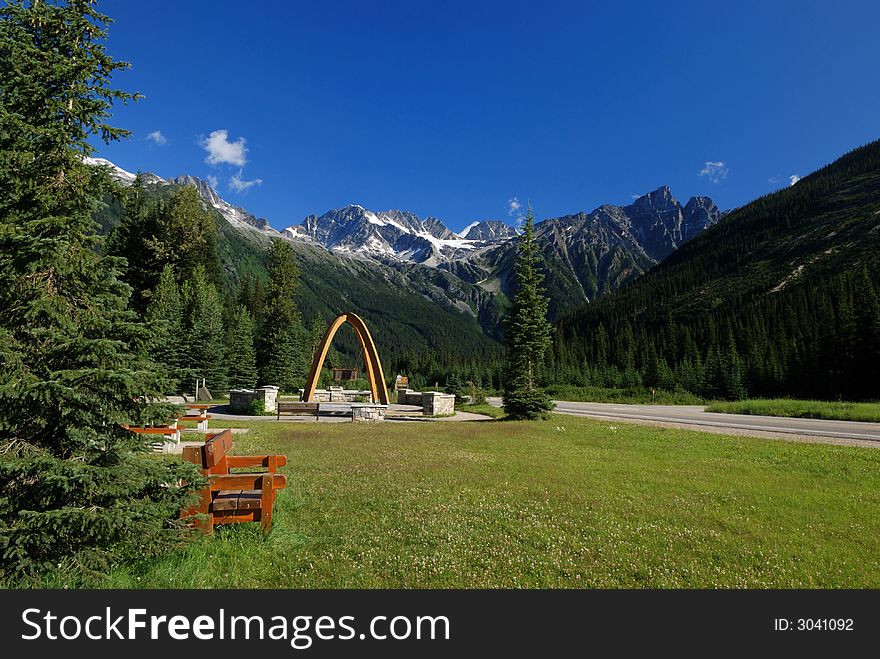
(235, 215)
(654, 225)
(585, 254)
(390, 234)
(122, 176)
(488, 230)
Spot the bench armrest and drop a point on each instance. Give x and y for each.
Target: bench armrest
(245, 481)
(236, 461)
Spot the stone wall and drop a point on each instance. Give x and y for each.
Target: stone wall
(409, 397)
(437, 404)
(241, 400)
(367, 412)
(433, 403)
(340, 395)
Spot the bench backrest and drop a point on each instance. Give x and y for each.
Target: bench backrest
(293, 407)
(212, 454)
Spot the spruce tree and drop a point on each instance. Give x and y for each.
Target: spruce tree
(187, 236)
(178, 231)
(241, 357)
(130, 238)
(527, 332)
(281, 345)
(165, 310)
(204, 354)
(75, 487)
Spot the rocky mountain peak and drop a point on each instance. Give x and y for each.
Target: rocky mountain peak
(121, 176)
(699, 214)
(660, 199)
(488, 230)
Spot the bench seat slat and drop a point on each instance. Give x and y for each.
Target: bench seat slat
(221, 482)
(237, 500)
(237, 461)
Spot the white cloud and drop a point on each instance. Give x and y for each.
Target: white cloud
(513, 206)
(239, 185)
(157, 138)
(776, 180)
(221, 150)
(213, 181)
(715, 171)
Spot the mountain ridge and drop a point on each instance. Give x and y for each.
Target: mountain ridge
(779, 298)
(586, 254)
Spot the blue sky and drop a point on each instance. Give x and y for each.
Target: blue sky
(454, 109)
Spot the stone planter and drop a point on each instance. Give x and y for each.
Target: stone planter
(242, 400)
(367, 412)
(437, 404)
(338, 395)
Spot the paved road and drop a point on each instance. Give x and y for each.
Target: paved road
(692, 415)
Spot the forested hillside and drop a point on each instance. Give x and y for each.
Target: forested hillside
(405, 319)
(780, 298)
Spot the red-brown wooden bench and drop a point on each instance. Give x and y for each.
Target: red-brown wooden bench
(200, 419)
(171, 433)
(234, 497)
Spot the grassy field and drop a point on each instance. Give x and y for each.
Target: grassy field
(806, 409)
(488, 410)
(566, 502)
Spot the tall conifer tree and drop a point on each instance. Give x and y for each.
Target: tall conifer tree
(527, 332)
(204, 338)
(74, 485)
(281, 346)
(241, 354)
(165, 310)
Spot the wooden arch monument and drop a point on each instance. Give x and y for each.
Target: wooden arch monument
(372, 364)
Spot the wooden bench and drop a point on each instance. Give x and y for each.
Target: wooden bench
(172, 433)
(202, 420)
(232, 497)
(298, 408)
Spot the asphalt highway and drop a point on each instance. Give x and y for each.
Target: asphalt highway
(692, 415)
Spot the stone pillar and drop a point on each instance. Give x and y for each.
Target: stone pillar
(367, 412)
(240, 400)
(437, 404)
(269, 395)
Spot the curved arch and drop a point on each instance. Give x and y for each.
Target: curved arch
(371, 358)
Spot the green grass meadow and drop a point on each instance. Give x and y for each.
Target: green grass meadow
(563, 503)
(485, 409)
(805, 409)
